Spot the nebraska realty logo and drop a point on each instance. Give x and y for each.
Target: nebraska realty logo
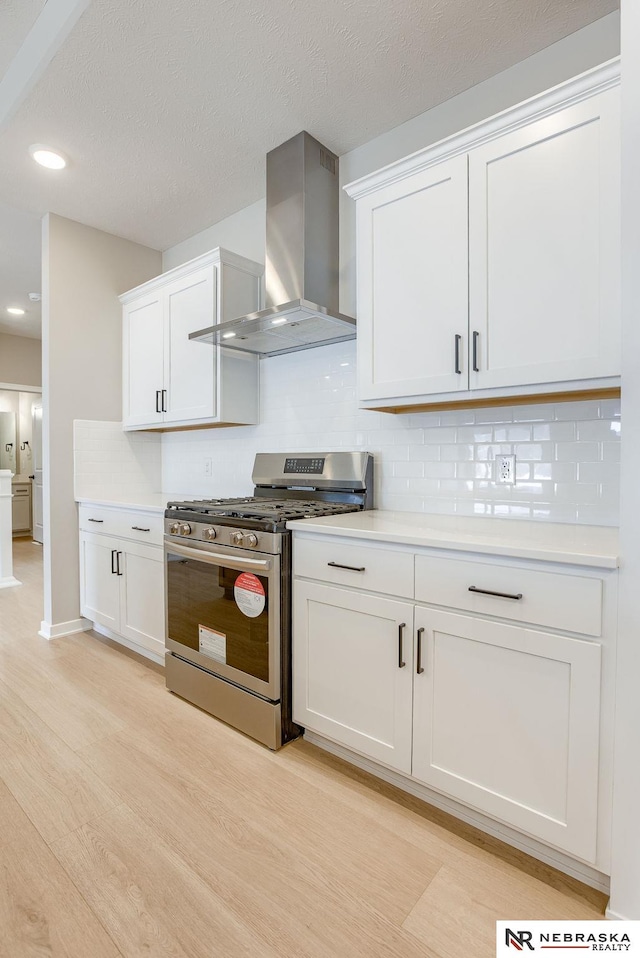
(570, 937)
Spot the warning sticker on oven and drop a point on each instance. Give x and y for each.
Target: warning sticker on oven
(212, 643)
(249, 595)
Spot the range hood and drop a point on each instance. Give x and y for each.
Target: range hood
(301, 270)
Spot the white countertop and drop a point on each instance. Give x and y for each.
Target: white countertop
(547, 541)
(155, 502)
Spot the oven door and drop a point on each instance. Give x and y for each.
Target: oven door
(223, 613)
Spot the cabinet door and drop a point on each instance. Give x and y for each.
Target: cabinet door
(507, 720)
(142, 596)
(544, 249)
(142, 361)
(348, 680)
(99, 580)
(189, 367)
(413, 285)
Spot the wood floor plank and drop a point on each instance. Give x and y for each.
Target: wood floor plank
(54, 787)
(456, 916)
(350, 892)
(12, 818)
(428, 827)
(149, 899)
(75, 717)
(252, 783)
(41, 911)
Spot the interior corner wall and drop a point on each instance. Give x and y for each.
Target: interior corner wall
(20, 360)
(625, 864)
(84, 270)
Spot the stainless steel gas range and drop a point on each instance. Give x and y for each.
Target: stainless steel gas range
(228, 586)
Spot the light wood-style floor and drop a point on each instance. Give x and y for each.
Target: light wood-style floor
(132, 824)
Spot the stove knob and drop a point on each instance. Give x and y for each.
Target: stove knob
(174, 529)
(210, 534)
(185, 529)
(237, 539)
(251, 540)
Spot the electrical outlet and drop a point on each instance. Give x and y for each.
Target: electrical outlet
(208, 467)
(506, 470)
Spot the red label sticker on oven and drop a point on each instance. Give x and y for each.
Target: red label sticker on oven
(249, 594)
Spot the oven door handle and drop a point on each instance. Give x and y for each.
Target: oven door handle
(214, 559)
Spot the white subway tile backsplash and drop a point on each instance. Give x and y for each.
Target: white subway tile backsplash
(439, 462)
(110, 461)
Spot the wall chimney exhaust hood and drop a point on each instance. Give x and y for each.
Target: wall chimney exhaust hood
(301, 269)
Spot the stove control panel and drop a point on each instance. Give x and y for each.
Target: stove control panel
(226, 536)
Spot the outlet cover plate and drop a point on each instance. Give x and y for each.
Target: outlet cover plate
(506, 470)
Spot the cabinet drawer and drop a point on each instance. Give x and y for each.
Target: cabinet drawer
(21, 490)
(569, 602)
(378, 570)
(128, 524)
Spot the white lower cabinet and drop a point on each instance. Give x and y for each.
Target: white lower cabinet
(122, 589)
(353, 670)
(507, 719)
(497, 704)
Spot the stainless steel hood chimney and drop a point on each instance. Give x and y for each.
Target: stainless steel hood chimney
(301, 270)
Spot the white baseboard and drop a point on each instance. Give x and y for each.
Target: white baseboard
(58, 630)
(121, 640)
(615, 916)
(550, 856)
(9, 581)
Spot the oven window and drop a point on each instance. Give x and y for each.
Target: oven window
(221, 613)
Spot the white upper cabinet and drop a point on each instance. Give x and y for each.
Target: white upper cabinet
(413, 285)
(189, 369)
(171, 381)
(545, 249)
(488, 264)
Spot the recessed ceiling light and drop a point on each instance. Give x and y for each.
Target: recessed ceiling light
(278, 322)
(45, 156)
(15, 310)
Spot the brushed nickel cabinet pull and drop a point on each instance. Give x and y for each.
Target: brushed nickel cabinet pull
(500, 595)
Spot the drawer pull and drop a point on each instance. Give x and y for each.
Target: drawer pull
(95, 520)
(401, 628)
(140, 529)
(500, 595)
(351, 568)
(419, 669)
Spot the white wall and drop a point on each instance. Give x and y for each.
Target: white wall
(625, 877)
(243, 233)
(84, 270)
(20, 360)
(432, 462)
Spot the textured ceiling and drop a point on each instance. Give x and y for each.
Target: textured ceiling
(167, 109)
(16, 19)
